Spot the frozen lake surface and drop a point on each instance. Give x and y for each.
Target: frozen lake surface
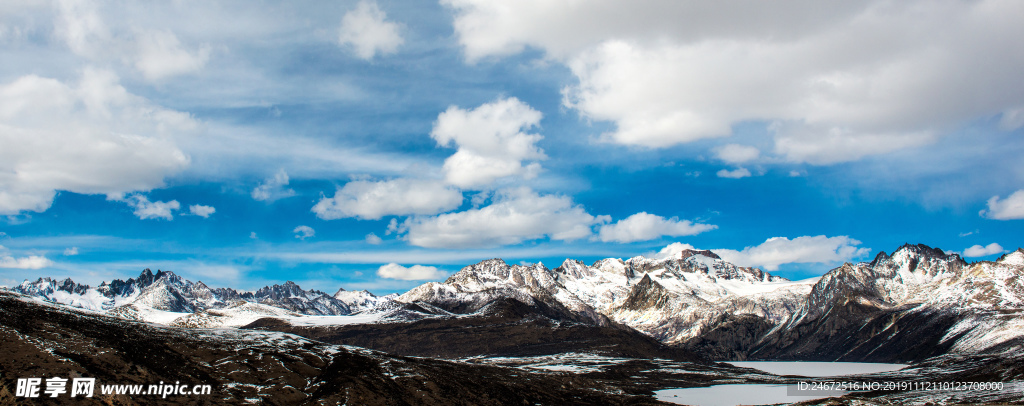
(732, 395)
(818, 369)
(756, 394)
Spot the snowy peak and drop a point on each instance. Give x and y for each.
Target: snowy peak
(47, 286)
(495, 273)
(922, 257)
(684, 254)
(358, 301)
(286, 291)
(165, 291)
(1015, 258)
(574, 269)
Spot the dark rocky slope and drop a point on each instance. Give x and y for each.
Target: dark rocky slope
(504, 327)
(277, 369)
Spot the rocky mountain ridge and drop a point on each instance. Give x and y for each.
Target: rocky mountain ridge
(165, 291)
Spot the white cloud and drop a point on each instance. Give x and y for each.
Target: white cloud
(821, 145)
(304, 232)
(846, 81)
(643, 226)
(491, 142)
(368, 32)
(252, 235)
(202, 211)
(373, 200)
(733, 174)
(71, 251)
(514, 216)
(671, 250)
(781, 250)
(412, 273)
(29, 262)
(157, 54)
(373, 239)
(979, 251)
(92, 138)
(394, 227)
(146, 209)
(737, 154)
(81, 27)
(160, 55)
(273, 188)
(1011, 208)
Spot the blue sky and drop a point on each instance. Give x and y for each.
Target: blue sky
(380, 145)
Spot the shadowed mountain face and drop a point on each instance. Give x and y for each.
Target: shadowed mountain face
(913, 305)
(505, 327)
(46, 341)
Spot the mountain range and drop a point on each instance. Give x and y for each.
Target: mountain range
(916, 303)
(613, 332)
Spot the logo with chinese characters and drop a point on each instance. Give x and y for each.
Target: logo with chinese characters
(56, 386)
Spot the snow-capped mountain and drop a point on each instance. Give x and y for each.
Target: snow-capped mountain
(164, 297)
(362, 300)
(916, 303)
(670, 299)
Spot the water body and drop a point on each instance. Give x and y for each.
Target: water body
(818, 369)
(731, 395)
(754, 394)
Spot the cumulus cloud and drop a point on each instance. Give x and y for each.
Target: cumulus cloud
(514, 216)
(304, 232)
(373, 200)
(643, 226)
(373, 239)
(807, 249)
(29, 262)
(412, 273)
(367, 31)
(145, 209)
(201, 211)
(273, 188)
(1011, 208)
(671, 250)
(733, 174)
(92, 137)
(844, 81)
(979, 251)
(737, 154)
(491, 142)
(72, 251)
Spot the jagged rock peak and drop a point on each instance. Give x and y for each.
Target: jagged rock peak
(646, 294)
(689, 253)
(881, 257)
(923, 250)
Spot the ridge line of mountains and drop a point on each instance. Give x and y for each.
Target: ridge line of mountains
(914, 304)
